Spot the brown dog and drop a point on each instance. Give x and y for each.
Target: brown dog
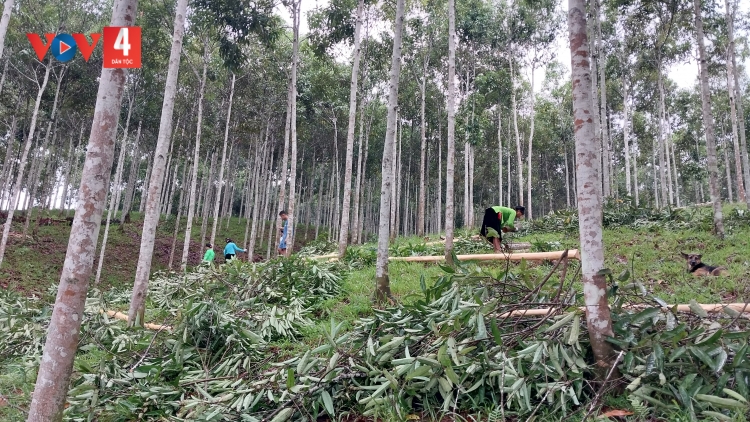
(698, 268)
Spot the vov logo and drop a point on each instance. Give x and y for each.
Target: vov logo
(122, 46)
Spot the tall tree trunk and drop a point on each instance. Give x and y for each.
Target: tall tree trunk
(66, 177)
(598, 318)
(567, 178)
(114, 196)
(53, 379)
(135, 162)
(208, 196)
(666, 188)
(194, 172)
(345, 210)
(293, 131)
(450, 159)
(635, 172)
(422, 149)
(439, 203)
(531, 143)
(733, 114)
(283, 172)
(8, 164)
(358, 183)
(22, 164)
(394, 179)
(151, 218)
(180, 206)
(499, 155)
(382, 281)
(7, 10)
(519, 157)
(626, 132)
(361, 223)
(736, 99)
(220, 183)
(602, 105)
(144, 189)
(727, 166)
(594, 77)
(675, 175)
(708, 124)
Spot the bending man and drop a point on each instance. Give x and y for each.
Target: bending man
(500, 219)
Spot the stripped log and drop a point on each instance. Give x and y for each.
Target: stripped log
(124, 317)
(330, 255)
(531, 256)
(709, 308)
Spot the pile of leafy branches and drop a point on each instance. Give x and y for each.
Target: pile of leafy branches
(458, 347)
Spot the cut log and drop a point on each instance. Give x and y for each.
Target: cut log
(330, 255)
(123, 317)
(710, 308)
(531, 256)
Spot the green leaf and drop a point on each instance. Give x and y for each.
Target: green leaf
(290, 378)
(644, 315)
(496, 332)
(697, 309)
(419, 372)
(710, 340)
(492, 233)
(703, 356)
(624, 276)
(327, 402)
(481, 328)
(719, 401)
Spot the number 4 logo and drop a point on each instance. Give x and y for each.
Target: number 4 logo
(122, 47)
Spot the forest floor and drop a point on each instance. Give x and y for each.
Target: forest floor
(651, 255)
(33, 264)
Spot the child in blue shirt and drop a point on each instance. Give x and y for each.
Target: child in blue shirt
(230, 250)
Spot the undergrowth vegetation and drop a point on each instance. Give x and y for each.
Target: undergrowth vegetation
(457, 345)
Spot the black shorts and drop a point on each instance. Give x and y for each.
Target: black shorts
(491, 220)
(229, 256)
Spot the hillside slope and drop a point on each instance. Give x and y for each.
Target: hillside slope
(33, 264)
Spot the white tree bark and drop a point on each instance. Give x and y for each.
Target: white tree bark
(283, 171)
(382, 281)
(114, 195)
(194, 171)
(529, 204)
(151, 218)
(667, 196)
(589, 193)
(739, 112)
(22, 165)
(293, 132)
(220, 184)
(345, 210)
(733, 114)
(499, 155)
(422, 147)
(53, 378)
(519, 157)
(451, 153)
(708, 124)
(7, 10)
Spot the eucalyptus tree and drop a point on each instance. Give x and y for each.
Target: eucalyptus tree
(151, 218)
(451, 153)
(708, 122)
(60, 347)
(382, 281)
(598, 319)
(4, 21)
(742, 166)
